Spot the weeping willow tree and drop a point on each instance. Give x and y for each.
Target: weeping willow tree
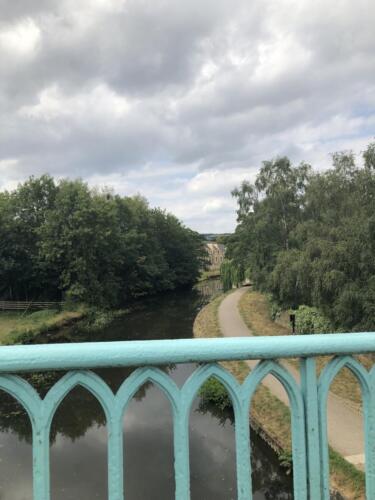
(231, 274)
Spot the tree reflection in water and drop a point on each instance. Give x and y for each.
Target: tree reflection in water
(269, 479)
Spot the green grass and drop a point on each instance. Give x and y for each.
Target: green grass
(209, 274)
(345, 474)
(16, 327)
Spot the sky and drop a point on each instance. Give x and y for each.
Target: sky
(182, 100)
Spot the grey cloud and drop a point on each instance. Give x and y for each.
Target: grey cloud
(10, 11)
(142, 48)
(203, 85)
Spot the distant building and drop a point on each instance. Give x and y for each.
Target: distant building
(216, 252)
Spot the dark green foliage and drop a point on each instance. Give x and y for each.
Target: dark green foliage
(309, 237)
(214, 392)
(62, 240)
(310, 320)
(231, 274)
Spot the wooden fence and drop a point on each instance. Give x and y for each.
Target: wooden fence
(12, 305)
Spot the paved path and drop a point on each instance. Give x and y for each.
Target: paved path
(345, 430)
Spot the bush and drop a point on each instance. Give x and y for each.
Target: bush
(214, 392)
(275, 308)
(311, 320)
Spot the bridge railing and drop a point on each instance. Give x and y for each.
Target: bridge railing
(308, 399)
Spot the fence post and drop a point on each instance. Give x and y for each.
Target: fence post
(309, 389)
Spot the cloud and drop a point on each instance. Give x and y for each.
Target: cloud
(21, 39)
(181, 101)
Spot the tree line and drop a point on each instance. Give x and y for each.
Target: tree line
(61, 240)
(308, 237)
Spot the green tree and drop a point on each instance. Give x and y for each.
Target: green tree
(64, 240)
(309, 237)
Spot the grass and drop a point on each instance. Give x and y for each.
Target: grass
(255, 311)
(16, 327)
(267, 409)
(209, 274)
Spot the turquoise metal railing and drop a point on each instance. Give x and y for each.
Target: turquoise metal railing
(307, 400)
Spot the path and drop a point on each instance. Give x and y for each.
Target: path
(345, 430)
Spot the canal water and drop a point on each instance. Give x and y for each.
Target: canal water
(79, 435)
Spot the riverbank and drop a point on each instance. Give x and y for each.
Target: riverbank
(19, 328)
(207, 275)
(274, 415)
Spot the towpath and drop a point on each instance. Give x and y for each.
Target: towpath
(345, 430)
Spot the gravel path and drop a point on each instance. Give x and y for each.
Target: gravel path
(345, 430)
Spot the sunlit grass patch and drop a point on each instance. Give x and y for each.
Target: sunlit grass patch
(16, 326)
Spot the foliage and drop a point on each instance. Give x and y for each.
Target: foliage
(310, 320)
(308, 237)
(214, 392)
(97, 319)
(62, 240)
(231, 274)
(286, 461)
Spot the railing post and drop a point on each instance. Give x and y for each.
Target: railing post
(115, 458)
(369, 425)
(310, 397)
(41, 463)
(242, 430)
(181, 452)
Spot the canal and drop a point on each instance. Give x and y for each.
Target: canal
(79, 436)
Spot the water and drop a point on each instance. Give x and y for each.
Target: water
(79, 435)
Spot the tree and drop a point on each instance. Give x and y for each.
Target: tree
(309, 237)
(65, 240)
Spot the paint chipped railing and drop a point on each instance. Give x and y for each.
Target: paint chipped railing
(308, 399)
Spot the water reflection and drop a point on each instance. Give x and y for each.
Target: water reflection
(15, 470)
(79, 433)
(268, 478)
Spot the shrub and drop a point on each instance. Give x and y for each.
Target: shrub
(214, 392)
(311, 320)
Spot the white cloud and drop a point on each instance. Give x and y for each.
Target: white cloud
(99, 102)
(214, 180)
(20, 39)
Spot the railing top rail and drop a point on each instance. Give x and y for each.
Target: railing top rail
(88, 355)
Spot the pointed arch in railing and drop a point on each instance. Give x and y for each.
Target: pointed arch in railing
(196, 380)
(163, 381)
(86, 379)
(367, 390)
(24, 393)
(28, 397)
(251, 383)
(141, 376)
(189, 392)
(100, 390)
